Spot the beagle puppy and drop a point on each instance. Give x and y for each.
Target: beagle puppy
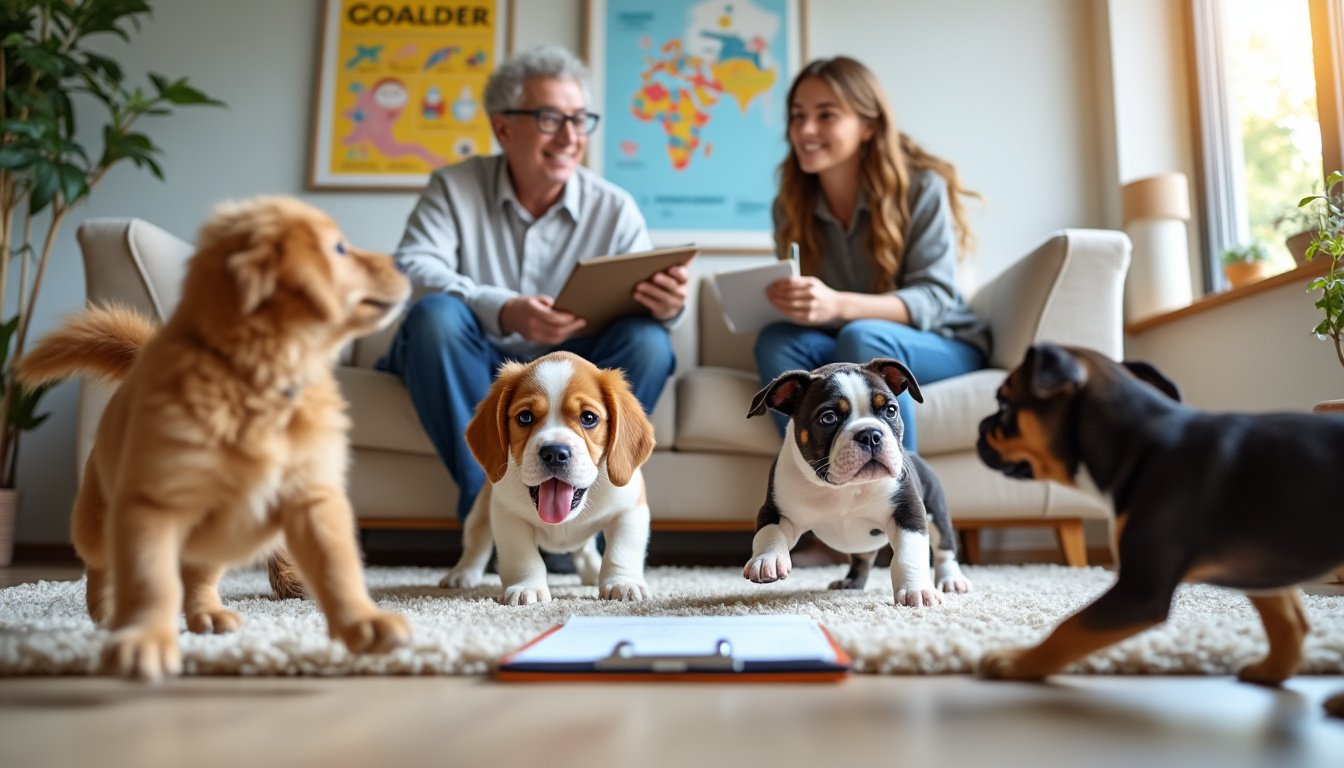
(561, 442)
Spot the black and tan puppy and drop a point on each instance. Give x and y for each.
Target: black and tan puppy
(841, 474)
(1247, 501)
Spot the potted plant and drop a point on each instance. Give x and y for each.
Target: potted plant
(46, 170)
(1246, 264)
(1328, 241)
(1298, 228)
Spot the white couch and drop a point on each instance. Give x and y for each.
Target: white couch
(709, 470)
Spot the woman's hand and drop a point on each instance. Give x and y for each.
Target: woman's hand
(665, 293)
(805, 300)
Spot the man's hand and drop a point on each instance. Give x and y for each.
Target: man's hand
(533, 318)
(665, 293)
(805, 300)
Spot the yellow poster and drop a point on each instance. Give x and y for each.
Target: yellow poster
(400, 89)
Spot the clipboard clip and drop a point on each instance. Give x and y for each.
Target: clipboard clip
(624, 659)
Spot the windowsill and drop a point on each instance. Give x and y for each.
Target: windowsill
(1301, 274)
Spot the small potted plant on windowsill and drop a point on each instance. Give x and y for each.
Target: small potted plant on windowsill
(1246, 264)
(1328, 242)
(1298, 229)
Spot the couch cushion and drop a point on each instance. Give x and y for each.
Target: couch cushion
(381, 411)
(712, 408)
(949, 418)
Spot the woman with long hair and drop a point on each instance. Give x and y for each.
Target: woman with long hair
(879, 223)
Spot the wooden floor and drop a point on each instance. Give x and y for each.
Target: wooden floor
(949, 721)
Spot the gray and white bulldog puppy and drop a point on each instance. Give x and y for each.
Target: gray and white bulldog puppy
(842, 474)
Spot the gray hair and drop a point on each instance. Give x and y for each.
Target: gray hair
(504, 89)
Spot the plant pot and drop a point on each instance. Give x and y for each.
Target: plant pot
(9, 521)
(1329, 406)
(1245, 272)
(1297, 245)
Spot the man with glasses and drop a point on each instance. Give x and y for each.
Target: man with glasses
(491, 242)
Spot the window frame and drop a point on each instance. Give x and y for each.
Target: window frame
(1219, 153)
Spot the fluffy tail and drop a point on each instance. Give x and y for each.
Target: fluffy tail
(100, 341)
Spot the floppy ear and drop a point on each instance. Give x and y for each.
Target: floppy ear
(629, 432)
(254, 271)
(487, 434)
(897, 376)
(783, 394)
(1148, 373)
(1054, 371)
(309, 270)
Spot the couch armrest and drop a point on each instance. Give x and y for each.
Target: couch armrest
(135, 264)
(1068, 290)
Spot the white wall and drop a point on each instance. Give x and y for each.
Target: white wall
(1257, 354)
(1011, 92)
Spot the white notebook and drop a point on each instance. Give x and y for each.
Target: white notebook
(742, 295)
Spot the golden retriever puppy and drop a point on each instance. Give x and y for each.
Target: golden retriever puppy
(227, 433)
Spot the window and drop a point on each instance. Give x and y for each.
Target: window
(1266, 75)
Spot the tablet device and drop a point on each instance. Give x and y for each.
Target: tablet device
(742, 295)
(601, 289)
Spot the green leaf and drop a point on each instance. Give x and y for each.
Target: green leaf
(74, 183)
(104, 67)
(23, 407)
(178, 92)
(7, 332)
(16, 158)
(46, 183)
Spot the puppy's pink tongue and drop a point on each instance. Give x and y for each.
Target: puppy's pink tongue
(553, 501)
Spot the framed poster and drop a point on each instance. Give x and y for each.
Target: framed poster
(692, 95)
(400, 88)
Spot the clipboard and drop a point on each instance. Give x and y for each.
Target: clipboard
(600, 289)
(742, 295)
(758, 648)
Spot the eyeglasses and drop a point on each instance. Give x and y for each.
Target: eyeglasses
(550, 120)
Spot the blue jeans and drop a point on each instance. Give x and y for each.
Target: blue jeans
(441, 354)
(785, 347)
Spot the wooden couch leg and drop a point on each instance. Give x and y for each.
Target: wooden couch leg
(1072, 541)
(970, 546)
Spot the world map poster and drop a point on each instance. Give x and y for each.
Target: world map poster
(693, 112)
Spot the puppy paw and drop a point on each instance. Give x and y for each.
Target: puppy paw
(463, 579)
(768, 567)
(1334, 706)
(628, 590)
(147, 654)
(379, 632)
(1264, 672)
(847, 584)
(217, 622)
(917, 596)
(1008, 664)
(952, 580)
(523, 594)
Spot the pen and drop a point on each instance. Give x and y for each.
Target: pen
(793, 251)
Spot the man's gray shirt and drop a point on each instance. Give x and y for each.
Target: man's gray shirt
(469, 237)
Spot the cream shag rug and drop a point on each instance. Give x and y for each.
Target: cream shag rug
(44, 628)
